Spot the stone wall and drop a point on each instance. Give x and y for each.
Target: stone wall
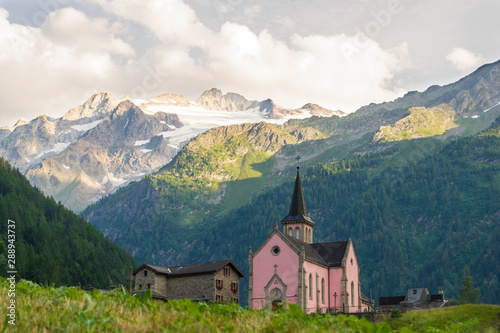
(200, 286)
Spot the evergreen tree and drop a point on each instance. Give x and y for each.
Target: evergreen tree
(468, 294)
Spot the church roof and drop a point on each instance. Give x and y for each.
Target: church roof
(204, 267)
(298, 211)
(310, 254)
(332, 253)
(329, 254)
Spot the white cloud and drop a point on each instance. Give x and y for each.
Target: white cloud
(71, 28)
(464, 59)
(73, 54)
(169, 20)
(45, 71)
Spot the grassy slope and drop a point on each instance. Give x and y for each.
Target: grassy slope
(464, 318)
(66, 309)
(421, 122)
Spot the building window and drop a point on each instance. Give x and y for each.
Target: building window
(290, 232)
(227, 271)
(275, 250)
(234, 286)
(310, 286)
(352, 293)
(219, 298)
(149, 286)
(297, 233)
(236, 300)
(219, 283)
(323, 290)
(352, 262)
(145, 273)
(140, 287)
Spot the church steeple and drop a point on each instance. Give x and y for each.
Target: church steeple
(297, 223)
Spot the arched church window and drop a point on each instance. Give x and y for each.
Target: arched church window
(323, 290)
(297, 233)
(290, 232)
(310, 286)
(352, 293)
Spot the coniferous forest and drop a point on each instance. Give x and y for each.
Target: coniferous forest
(52, 244)
(418, 212)
(418, 226)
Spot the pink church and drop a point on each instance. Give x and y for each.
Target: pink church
(289, 267)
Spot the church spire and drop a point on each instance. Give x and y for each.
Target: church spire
(298, 205)
(297, 217)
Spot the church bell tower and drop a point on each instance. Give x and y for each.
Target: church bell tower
(297, 223)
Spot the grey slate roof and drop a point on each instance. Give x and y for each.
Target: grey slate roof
(205, 267)
(332, 253)
(328, 254)
(311, 255)
(298, 211)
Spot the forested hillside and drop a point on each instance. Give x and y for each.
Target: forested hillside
(53, 245)
(413, 182)
(416, 219)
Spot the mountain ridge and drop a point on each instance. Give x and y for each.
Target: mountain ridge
(49, 150)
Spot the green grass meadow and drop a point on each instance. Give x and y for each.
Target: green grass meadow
(70, 309)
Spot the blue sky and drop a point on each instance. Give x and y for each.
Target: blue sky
(338, 54)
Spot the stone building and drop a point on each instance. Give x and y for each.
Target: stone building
(289, 267)
(210, 281)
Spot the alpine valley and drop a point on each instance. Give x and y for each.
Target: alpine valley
(415, 182)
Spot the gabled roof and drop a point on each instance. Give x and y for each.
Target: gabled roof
(310, 254)
(205, 267)
(332, 253)
(298, 211)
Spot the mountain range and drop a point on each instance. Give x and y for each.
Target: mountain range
(103, 144)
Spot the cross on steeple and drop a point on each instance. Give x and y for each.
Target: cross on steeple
(275, 268)
(298, 161)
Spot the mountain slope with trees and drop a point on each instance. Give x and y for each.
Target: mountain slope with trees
(407, 203)
(415, 219)
(53, 245)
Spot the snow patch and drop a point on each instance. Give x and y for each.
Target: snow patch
(196, 120)
(492, 107)
(111, 178)
(146, 150)
(141, 142)
(65, 132)
(86, 127)
(474, 117)
(66, 167)
(59, 147)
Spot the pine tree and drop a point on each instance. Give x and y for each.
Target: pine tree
(468, 294)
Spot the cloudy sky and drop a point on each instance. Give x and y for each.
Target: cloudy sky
(341, 54)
